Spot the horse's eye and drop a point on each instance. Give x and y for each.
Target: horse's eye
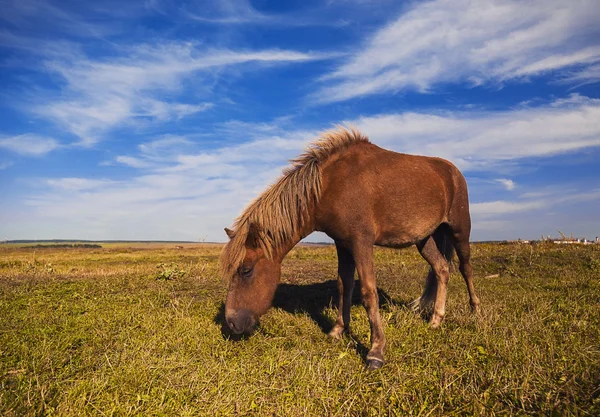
(246, 272)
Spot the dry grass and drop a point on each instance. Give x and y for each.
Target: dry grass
(137, 331)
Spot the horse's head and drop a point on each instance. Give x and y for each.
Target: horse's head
(252, 285)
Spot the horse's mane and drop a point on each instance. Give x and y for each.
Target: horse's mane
(279, 213)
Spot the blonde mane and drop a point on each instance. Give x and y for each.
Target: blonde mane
(279, 213)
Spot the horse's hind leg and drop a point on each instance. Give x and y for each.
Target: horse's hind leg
(441, 271)
(425, 302)
(463, 250)
(460, 225)
(345, 282)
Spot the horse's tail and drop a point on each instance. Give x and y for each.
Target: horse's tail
(443, 240)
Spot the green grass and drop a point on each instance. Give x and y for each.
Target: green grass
(137, 331)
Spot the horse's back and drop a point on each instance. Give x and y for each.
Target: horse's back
(393, 198)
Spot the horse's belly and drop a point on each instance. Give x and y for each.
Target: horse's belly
(400, 234)
(395, 241)
(400, 239)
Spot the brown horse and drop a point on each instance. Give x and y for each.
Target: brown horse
(360, 195)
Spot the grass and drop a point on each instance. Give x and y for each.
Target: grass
(136, 330)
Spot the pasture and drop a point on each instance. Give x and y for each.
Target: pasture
(129, 330)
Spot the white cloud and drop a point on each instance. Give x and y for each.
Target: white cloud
(185, 193)
(580, 197)
(477, 41)
(30, 15)
(129, 87)
(507, 183)
(494, 208)
(533, 201)
(77, 184)
(261, 144)
(29, 144)
(265, 151)
(583, 76)
(165, 143)
(162, 111)
(242, 12)
(227, 12)
(538, 212)
(153, 206)
(133, 161)
(5, 164)
(478, 140)
(155, 153)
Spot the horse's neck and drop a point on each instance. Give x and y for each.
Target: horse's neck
(307, 229)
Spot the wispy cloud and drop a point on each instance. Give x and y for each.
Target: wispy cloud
(132, 161)
(193, 184)
(153, 206)
(507, 183)
(247, 144)
(162, 111)
(476, 140)
(6, 164)
(534, 213)
(242, 12)
(178, 204)
(169, 163)
(33, 15)
(474, 41)
(164, 145)
(530, 201)
(29, 144)
(78, 184)
(184, 192)
(500, 207)
(587, 75)
(227, 12)
(139, 84)
(155, 153)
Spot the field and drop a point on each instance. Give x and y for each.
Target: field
(137, 330)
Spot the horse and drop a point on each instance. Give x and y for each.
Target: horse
(360, 195)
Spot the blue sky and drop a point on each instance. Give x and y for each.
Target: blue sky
(161, 119)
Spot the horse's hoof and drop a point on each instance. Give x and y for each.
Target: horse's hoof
(336, 333)
(373, 364)
(436, 321)
(415, 305)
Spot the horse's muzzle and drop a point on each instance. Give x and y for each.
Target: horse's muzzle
(240, 321)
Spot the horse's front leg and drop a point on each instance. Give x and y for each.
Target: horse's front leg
(363, 256)
(345, 279)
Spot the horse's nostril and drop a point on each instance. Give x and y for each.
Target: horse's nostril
(240, 321)
(231, 325)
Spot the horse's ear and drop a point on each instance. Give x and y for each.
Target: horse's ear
(230, 233)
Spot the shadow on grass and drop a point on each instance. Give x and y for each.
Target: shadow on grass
(313, 299)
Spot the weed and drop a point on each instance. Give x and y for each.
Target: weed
(168, 272)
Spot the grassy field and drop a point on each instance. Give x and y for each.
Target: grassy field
(137, 330)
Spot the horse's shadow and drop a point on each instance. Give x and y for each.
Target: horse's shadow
(314, 299)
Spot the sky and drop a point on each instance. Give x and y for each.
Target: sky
(162, 119)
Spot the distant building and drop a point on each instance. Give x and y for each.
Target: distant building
(580, 241)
